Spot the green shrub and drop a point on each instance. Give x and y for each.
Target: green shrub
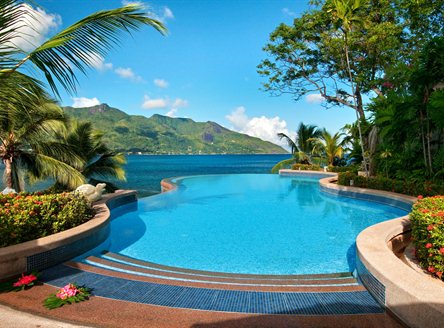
(427, 218)
(344, 178)
(338, 169)
(407, 187)
(26, 217)
(306, 167)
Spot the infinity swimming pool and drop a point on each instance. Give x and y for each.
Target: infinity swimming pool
(246, 223)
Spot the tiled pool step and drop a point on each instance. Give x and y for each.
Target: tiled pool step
(122, 287)
(221, 278)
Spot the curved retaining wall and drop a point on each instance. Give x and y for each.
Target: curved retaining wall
(44, 252)
(413, 296)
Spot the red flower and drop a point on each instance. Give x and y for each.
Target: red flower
(441, 250)
(439, 274)
(420, 197)
(25, 280)
(430, 227)
(431, 269)
(428, 245)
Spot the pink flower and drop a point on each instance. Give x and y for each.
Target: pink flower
(25, 280)
(430, 227)
(420, 196)
(428, 245)
(431, 269)
(68, 291)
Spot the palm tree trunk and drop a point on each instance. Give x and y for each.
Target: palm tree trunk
(8, 172)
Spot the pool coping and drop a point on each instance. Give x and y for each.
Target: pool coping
(409, 294)
(43, 252)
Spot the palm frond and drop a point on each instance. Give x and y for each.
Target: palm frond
(293, 147)
(79, 45)
(283, 164)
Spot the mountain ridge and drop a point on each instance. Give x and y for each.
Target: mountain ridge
(160, 134)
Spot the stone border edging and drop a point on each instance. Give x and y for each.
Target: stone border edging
(14, 258)
(410, 295)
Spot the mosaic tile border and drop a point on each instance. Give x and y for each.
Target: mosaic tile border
(403, 205)
(307, 303)
(65, 252)
(373, 285)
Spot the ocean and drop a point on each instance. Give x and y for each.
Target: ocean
(144, 172)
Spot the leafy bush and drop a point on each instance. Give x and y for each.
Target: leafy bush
(407, 187)
(306, 167)
(338, 169)
(427, 219)
(26, 217)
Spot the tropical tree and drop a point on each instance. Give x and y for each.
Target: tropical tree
(301, 147)
(98, 161)
(28, 146)
(28, 116)
(329, 146)
(410, 119)
(76, 47)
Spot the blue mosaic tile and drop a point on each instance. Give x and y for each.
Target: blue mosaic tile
(217, 300)
(373, 285)
(63, 253)
(349, 303)
(196, 298)
(304, 303)
(406, 206)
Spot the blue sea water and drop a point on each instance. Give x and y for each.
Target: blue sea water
(144, 172)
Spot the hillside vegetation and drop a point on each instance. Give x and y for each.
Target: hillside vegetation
(166, 135)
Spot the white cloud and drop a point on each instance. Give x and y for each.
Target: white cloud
(172, 106)
(172, 112)
(160, 14)
(288, 12)
(149, 103)
(34, 28)
(128, 73)
(99, 63)
(161, 83)
(179, 103)
(262, 127)
(127, 3)
(314, 98)
(85, 102)
(167, 13)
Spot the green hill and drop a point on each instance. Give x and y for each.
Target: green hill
(165, 135)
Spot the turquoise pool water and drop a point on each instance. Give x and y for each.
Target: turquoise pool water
(246, 223)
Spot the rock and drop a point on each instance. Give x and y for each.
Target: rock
(8, 190)
(90, 192)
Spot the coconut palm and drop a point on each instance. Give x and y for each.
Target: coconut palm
(301, 147)
(28, 147)
(99, 162)
(77, 47)
(28, 116)
(330, 146)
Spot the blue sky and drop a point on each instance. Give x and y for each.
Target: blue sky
(205, 69)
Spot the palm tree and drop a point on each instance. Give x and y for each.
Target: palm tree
(28, 145)
(301, 147)
(28, 117)
(76, 47)
(330, 146)
(98, 160)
